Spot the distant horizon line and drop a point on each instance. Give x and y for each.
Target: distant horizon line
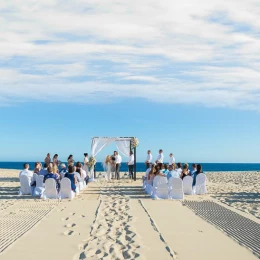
(140, 162)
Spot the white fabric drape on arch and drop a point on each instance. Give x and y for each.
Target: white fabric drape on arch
(123, 146)
(99, 144)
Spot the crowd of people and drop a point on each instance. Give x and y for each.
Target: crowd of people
(170, 169)
(56, 170)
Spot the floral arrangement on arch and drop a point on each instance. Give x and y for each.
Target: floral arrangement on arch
(92, 162)
(134, 143)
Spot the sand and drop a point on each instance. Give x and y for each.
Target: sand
(117, 220)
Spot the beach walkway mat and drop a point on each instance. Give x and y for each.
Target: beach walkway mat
(15, 223)
(245, 231)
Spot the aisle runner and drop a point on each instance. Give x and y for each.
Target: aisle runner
(245, 231)
(17, 222)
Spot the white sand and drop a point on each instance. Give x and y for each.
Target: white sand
(118, 220)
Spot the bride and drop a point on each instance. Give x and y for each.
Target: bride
(107, 167)
(85, 167)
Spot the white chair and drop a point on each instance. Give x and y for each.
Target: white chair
(25, 182)
(65, 189)
(176, 188)
(50, 191)
(187, 185)
(160, 188)
(39, 189)
(200, 187)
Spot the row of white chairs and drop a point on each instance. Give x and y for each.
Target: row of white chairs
(175, 188)
(48, 189)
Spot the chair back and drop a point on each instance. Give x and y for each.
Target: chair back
(187, 185)
(176, 188)
(65, 189)
(39, 181)
(158, 180)
(25, 185)
(200, 187)
(50, 189)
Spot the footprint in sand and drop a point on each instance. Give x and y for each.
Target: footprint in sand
(65, 219)
(70, 225)
(68, 233)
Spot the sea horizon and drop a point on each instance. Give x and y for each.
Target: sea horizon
(140, 166)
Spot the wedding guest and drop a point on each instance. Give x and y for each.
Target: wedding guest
(179, 168)
(171, 159)
(70, 175)
(55, 160)
(130, 163)
(63, 170)
(199, 171)
(70, 160)
(79, 169)
(38, 166)
(47, 159)
(160, 157)
(26, 172)
(148, 170)
(118, 161)
(151, 175)
(165, 170)
(44, 170)
(85, 166)
(172, 172)
(185, 171)
(107, 167)
(194, 169)
(52, 175)
(148, 159)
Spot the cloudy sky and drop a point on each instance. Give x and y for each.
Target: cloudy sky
(149, 61)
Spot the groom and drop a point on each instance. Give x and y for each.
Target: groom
(118, 160)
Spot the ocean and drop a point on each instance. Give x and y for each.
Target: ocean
(140, 167)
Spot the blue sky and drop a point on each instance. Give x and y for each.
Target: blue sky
(180, 76)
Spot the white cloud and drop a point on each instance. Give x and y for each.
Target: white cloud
(179, 52)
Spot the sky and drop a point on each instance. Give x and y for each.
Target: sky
(183, 76)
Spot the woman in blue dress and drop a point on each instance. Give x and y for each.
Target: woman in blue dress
(72, 176)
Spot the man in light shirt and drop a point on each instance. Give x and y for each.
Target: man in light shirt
(171, 159)
(26, 172)
(179, 168)
(130, 163)
(172, 172)
(118, 160)
(160, 157)
(148, 159)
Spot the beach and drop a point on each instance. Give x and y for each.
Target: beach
(117, 220)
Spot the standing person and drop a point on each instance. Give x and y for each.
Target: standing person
(160, 157)
(171, 159)
(130, 163)
(148, 159)
(107, 167)
(85, 166)
(118, 160)
(55, 160)
(70, 160)
(47, 159)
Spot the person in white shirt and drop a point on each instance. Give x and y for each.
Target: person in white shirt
(172, 172)
(179, 168)
(171, 159)
(26, 172)
(130, 163)
(148, 159)
(118, 160)
(160, 157)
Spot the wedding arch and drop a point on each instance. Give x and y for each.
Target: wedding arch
(123, 144)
